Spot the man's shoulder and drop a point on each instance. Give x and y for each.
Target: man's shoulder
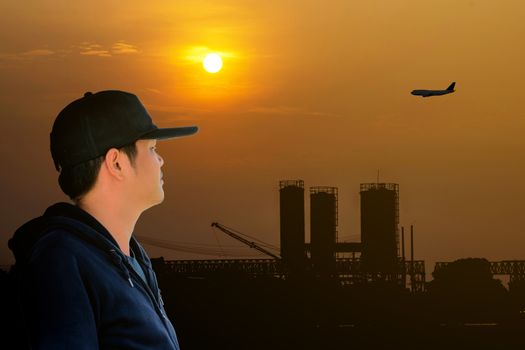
(61, 242)
(60, 238)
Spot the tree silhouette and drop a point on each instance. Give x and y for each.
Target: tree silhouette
(466, 291)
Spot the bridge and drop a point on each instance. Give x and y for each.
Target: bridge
(349, 271)
(513, 268)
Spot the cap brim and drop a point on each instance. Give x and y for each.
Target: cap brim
(169, 133)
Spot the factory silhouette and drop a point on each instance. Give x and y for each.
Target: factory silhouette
(329, 294)
(332, 295)
(380, 256)
(375, 258)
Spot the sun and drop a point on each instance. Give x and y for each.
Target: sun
(212, 63)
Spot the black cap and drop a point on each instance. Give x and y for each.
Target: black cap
(88, 127)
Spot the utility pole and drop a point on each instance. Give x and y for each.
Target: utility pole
(412, 258)
(403, 264)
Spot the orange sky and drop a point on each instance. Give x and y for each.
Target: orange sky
(309, 89)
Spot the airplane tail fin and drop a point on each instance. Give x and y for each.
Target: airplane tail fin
(451, 87)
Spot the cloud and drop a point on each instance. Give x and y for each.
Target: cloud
(85, 48)
(155, 91)
(118, 48)
(38, 52)
(286, 110)
(26, 55)
(196, 54)
(99, 53)
(92, 49)
(121, 47)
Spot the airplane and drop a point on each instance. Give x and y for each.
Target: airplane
(428, 93)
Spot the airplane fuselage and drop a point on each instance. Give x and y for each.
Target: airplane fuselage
(427, 93)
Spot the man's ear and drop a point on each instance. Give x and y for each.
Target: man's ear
(113, 162)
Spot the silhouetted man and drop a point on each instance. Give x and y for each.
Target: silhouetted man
(84, 281)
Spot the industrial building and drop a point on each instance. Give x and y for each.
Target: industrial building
(379, 227)
(378, 256)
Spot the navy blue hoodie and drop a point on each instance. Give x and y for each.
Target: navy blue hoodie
(78, 290)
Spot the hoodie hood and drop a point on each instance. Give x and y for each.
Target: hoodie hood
(75, 220)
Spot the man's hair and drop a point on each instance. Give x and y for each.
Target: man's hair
(78, 180)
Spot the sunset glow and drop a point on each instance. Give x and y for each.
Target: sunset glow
(325, 99)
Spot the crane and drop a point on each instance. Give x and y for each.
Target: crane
(250, 244)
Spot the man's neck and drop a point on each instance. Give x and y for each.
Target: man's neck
(118, 220)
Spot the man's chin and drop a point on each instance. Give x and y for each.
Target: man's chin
(159, 200)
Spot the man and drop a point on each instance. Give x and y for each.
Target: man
(84, 281)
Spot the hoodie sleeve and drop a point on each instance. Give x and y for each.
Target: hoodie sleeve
(57, 307)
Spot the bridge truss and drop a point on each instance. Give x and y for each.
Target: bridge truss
(349, 271)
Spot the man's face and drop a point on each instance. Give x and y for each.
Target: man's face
(146, 181)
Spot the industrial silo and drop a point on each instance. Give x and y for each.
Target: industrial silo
(379, 226)
(323, 228)
(291, 200)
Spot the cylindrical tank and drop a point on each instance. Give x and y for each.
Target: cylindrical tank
(291, 205)
(379, 226)
(323, 228)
